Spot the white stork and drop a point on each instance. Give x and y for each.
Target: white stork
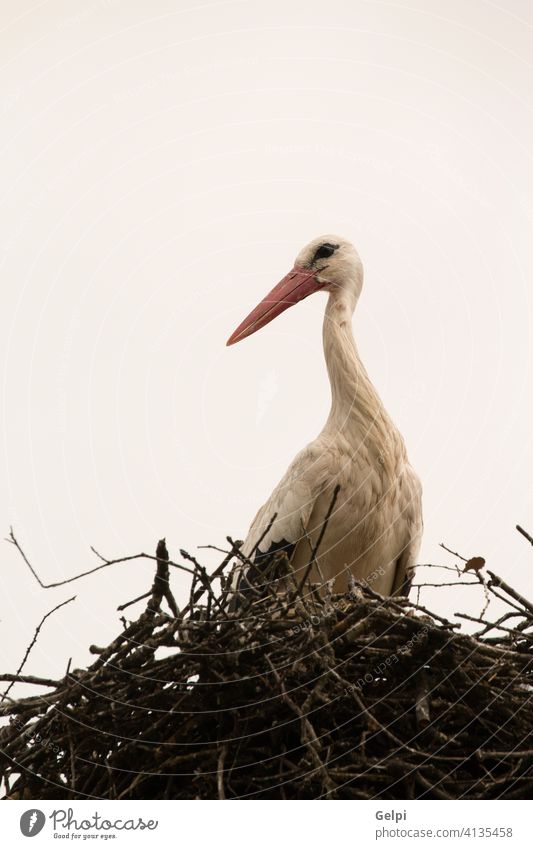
(374, 530)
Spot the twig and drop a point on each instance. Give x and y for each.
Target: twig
(237, 708)
(13, 540)
(525, 534)
(216, 574)
(448, 584)
(134, 600)
(398, 603)
(319, 540)
(422, 700)
(263, 535)
(499, 582)
(220, 771)
(29, 679)
(455, 553)
(454, 569)
(308, 733)
(489, 626)
(161, 587)
(34, 640)
(203, 576)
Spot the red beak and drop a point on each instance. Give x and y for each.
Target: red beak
(297, 285)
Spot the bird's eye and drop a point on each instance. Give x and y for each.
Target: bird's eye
(324, 251)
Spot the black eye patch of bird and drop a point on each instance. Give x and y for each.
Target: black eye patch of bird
(324, 251)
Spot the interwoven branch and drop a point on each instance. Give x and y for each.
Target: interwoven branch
(291, 696)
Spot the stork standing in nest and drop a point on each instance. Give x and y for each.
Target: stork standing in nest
(356, 470)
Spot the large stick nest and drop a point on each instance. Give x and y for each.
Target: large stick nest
(296, 695)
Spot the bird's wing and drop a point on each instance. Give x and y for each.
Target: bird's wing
(413, 517)
(282, 521)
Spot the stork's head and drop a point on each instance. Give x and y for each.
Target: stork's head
(328, 263)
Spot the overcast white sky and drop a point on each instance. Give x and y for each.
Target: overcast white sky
(162, 163)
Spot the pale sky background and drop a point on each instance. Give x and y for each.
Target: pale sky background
(162, 163)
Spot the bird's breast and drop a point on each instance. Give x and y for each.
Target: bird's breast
(369, 524)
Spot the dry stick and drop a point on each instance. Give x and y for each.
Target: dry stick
(192, 592)
(524, 534)
(398, 604)
(241, 556)
(492, 625)
(499, 582)
(437, 566)
(422, 710)
(34, 640)
(455, 553)
(252, 592)
(238, 553)
(308, 734)
(13, 540)
(220, 771)
(161, 587)
(217, 548)
(310, 544)
(485, 753)
(489, 626)
(319, 540)
(72, 760)
(486, 593)
(216, 574)
(263, 535)
(29, 679)
(204, 578)
(506, 600)
(448, 584)
(134, 600)
(88, 783)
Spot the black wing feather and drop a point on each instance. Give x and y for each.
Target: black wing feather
(255, 573)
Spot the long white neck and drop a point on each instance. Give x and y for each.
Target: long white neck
(357, 411)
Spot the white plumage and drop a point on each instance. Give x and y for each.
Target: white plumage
(375, 526)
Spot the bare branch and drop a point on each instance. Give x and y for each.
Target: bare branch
(161, 587)
(29, 679)
(34, 640)
(455, 553)
(12, 539)
(499, 582)
(525, 534)
(312, 558)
